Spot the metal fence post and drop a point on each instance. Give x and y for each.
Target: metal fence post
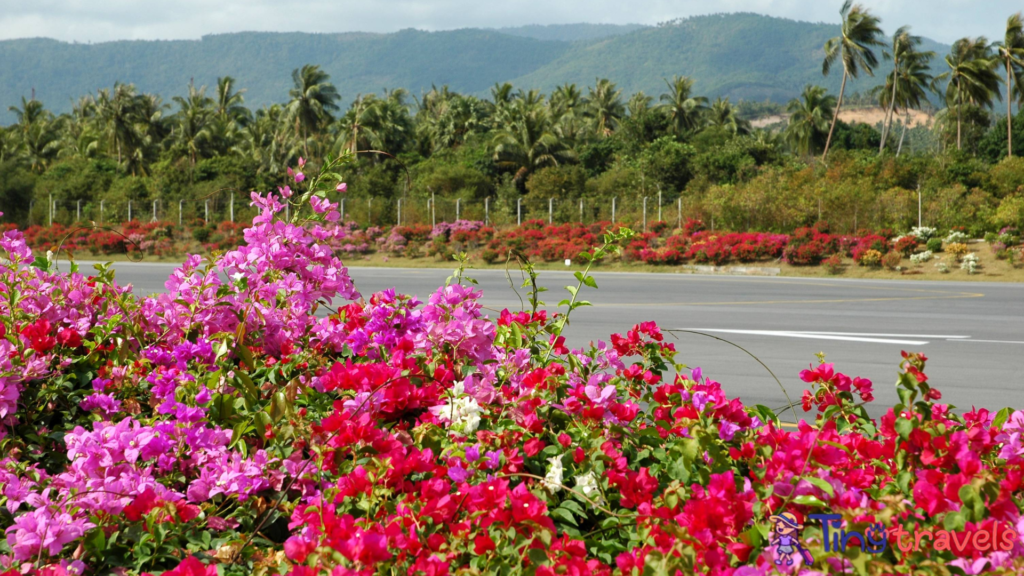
(78, 211)
(659, 203)
(180, 203)
(645, 214)
(369, 210)
(206, 212)
(581, 210)
(101, 211)
(342, 209)
(399, 215)
(232, 206)
(458, 206)
(614, 198)
(154, 210)
(129, 210)
(550, 209)
(519, 211)
(487, 211)
(680, 212)
(433, 210)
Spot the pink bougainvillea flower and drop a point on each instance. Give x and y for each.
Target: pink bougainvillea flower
(342, 187)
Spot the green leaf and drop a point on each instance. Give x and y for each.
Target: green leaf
(538, 556)
(1001, 417)
(250, 387)
(95, 541)
(565, 515)
(904, 426)
(246, 355)
(825, 486)
(808, 500)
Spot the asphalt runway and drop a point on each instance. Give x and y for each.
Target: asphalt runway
(972, 332)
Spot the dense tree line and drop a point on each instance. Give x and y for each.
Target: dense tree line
(592, 143)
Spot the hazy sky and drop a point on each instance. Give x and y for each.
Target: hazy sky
(100, 20)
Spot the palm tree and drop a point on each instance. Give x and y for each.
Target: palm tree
(684, 110)
(913, 82)
(605, 106)
(808, 119)
(312, 100)
(568, 109)
(37, 132)
(902, 42)
(229, 103)
(445, 118)
(1011, 52)
(191, 133)
(859, 33)
(723, 114)
(527, 142)
(971, 77)
(119, 110)
(78, 138)
(355, 126)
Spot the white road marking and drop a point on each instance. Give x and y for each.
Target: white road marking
(992, 341)
(849, 337)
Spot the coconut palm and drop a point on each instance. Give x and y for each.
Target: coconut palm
(902, 42)
(971, 78)
(604, 106)
(37, 131)
(859, 33)
(268, 141)
(78, 138)
(312, 100)
(1011, 52)
(568, 109)
(119, 110)
(906, 87)
(445, 118)
(808, 120)
(724, 115)
(684, 110)
(191, 133)
(229, 102)
(913, 83)
(526, 142)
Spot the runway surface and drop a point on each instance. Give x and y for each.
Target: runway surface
(972, 333)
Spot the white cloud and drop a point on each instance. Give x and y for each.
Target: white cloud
(102, 20)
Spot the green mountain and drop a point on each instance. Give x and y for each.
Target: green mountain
(746, 56)
(468, 60)
(739, 55)
(570, 32)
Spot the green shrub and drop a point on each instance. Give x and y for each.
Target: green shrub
(201, 235)
(935, 245)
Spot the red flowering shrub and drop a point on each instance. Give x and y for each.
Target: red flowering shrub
(224, 427)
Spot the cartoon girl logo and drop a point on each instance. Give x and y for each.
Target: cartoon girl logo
(786, 539)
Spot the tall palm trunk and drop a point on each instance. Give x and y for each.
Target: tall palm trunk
(887, 122)
(1009, 111)
(835, 116)
(959, 105)
(903, 133)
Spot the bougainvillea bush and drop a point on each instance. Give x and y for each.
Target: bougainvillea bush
(263, 417)
(535, 240)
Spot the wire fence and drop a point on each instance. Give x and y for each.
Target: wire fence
(377, 211)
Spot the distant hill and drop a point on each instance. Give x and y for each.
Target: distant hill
(739, 55)
(746, 56)
(571, 32)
